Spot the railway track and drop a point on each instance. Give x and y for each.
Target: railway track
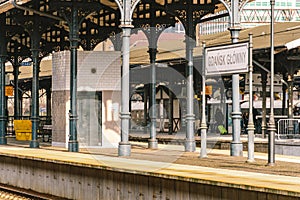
(12, 193)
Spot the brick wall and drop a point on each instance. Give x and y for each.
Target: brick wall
(59, 117)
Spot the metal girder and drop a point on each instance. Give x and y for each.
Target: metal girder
(263, 15)
(102, 21)
(153, 20)
(26, 84)
(289, 60)
(191, 14)
(82, 5)
(92, 34)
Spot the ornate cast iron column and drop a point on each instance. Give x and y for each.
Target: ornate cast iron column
(152, 33)
(284, 100)
(290, 81)
(73, 145)
(3, 57)
(236, 146)
(3, 113)
(190, 144)
(234, 7)
(34, 28)
(74, 13)
(190, 14)
(35, 92)
(250, 127)
(16, 73)
(124, 145)
(186, 15)
(152, 24)
(152, 142)
(203, 127)
(126, 7)
(145, 107)
(170, 112)
(264, 103)
(34, 25)
(48, 104)
(272, 127)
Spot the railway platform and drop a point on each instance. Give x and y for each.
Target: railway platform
(164, 173)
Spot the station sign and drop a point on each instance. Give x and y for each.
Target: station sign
(227, 59)
(24, 63)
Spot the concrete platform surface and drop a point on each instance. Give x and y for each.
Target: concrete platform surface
(163, 162)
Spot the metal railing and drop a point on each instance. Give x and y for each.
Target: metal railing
(287, 128)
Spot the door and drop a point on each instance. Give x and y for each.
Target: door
(89, 118)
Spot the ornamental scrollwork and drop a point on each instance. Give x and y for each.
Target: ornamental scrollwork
(158, 28)
(133, 2)
(161, 27)
(181, 14)
(198, 14)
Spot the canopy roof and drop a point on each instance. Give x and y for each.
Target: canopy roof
(101, 20)
(286, 37)
(285, 33)
(172, 46)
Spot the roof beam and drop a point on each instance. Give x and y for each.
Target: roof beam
(6, 5)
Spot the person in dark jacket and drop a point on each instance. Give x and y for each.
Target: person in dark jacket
(219, 117)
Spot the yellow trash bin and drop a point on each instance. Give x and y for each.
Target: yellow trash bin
(23, 129)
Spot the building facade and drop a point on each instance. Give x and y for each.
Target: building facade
(256, 13)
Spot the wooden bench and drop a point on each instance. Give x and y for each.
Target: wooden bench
(47, 130)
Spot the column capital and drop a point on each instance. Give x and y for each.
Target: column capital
(235, 32)
(126, 24)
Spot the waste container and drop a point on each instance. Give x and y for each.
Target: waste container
(23, 129)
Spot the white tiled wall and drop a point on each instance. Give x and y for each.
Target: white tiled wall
(97, 70)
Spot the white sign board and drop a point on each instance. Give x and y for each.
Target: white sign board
(227, 59)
